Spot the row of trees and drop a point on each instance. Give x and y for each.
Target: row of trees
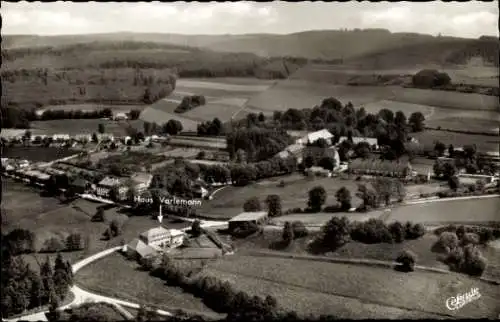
(75, 114)
(339, 231)
(22, 241)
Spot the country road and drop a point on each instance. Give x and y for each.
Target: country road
(82, 296)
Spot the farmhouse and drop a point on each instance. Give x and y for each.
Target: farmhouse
(142, 181)
(120, 116)
(380, 168)
(467, 178)
(60, 137)
(103, 188)
(355, 140)
(137, 249)
(295, 150)
(314, 136)
(161, 237)
(257, 218)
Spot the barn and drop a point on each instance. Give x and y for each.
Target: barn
(245, 218)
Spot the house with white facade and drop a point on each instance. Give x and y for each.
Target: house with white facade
(103, 188)
(120, 116)
(314, 136)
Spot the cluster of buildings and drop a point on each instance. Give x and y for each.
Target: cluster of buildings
(154, 241)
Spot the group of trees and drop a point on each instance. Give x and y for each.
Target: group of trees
(258, 143)
(460, 250)
(430, 78)
(17, 118)
(23, 288)
(22, 241)
(382, 192)
(293, 230)
(211, 128)
(339, 231)
(190, 102)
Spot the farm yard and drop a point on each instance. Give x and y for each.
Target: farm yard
(353, 291)
(225, 98)
(229, 201)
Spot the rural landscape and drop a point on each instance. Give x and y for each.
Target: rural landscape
(348, 173)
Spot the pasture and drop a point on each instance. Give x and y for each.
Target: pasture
(483, 142)
(353, 291)
(119, 277)
(228, 202)
(225, 98)
(447, 212)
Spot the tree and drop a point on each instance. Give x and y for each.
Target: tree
(454, 182)
(407, 259)
(439, 147)
(100, 128)
(173, 127)
(115, 228)
(327, 163)
(287, 234)
(317, 197)
(344, 198)
(444, 170)
(299, 229)
(416, 121)
(273, 205)
(134, 114)
(400, 120)
(309, 161)
(451, 151)
(429, 78)
(261, 117)
(335, 233)
(147, 128)
(95, 139)
(397, 231)
(362, 149)
(252, 204)
(196, 229)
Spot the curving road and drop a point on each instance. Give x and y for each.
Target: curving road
(81, 296)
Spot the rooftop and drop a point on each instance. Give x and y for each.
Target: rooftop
(110, 182)
(313, 136)
(248, 216)
(140, 247)
(142, 177)
(359, 139)
(154, 232)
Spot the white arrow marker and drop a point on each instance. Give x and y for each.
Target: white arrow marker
(160, 216)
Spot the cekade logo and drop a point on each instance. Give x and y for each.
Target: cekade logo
(459, 301)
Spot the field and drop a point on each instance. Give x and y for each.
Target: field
(422, 247)
(36, 153)
(483, 210)
(74, 127)
(22, 207)
(225, 98)
(118, 277)
(229, 201)
(483, 142)
(352, 291)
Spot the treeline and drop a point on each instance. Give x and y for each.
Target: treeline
(23, 288)
(75, 114)
(210, 128)
(190, 102)
(16, 118)
(221, 296)
(486, 47)
(22, 241)
(257, 143)
(337, 232)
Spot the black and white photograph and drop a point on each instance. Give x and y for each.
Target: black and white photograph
(249, 161)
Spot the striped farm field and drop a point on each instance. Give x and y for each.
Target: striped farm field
(354, 291)
(225, 98)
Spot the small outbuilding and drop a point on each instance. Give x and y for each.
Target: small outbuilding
(257, 217)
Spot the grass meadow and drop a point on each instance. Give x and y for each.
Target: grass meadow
(353, 291)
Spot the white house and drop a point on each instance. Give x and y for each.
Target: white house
(120, 116)
(160, 237)
(60, 137)
(103, 188)
(314, 136)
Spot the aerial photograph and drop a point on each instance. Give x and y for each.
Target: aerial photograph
(249, 161)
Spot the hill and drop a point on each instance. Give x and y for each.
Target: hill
(374, 45)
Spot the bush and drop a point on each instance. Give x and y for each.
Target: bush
(397, 231)
(455, 259)
(469, 238)
(252, 204)
(414, 231)
(474, 263)
(448, 241)
(299, 229)
(407, 259)
(371, 231)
